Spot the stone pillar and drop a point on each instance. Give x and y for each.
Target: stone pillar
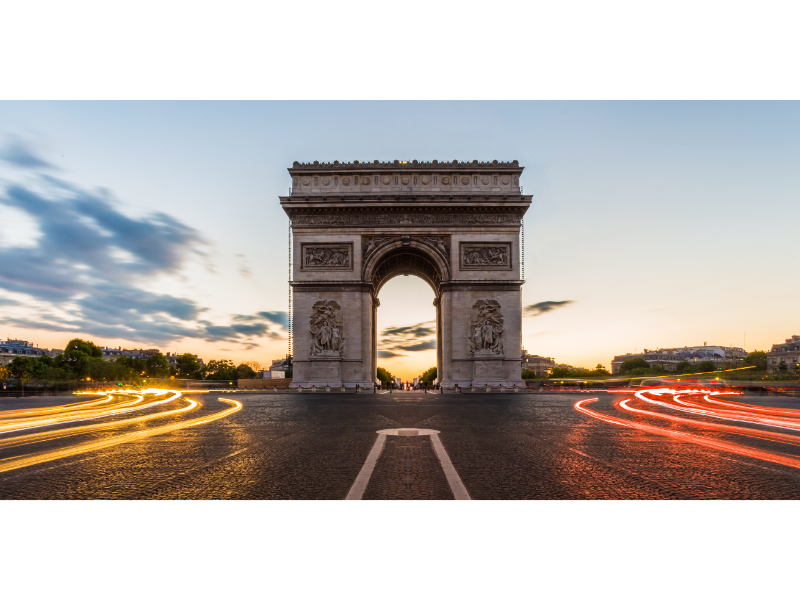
(437, 302)
(374, 372)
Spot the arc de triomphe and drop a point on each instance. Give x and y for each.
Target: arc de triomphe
(454, 224)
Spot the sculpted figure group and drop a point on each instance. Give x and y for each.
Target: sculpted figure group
(488, 255)
(486, 328)
(326, 328)
(327, 257)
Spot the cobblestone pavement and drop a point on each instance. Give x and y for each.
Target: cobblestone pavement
(312, 446)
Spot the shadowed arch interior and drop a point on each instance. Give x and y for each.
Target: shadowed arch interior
(406, 261)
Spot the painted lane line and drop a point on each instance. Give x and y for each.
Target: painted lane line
(450, 473)
(360, 485)
(456, 485)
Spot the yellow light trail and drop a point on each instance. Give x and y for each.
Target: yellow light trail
(120, 409)
(30, 412)
(12, 425)
(10, 464)
(46, 436)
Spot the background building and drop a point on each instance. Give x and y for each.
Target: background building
(668, 358)
(10, 349)
(787, 353)
(541, 365)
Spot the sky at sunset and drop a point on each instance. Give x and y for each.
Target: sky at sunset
(157, 224)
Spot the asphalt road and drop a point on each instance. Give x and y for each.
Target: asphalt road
(313, 446)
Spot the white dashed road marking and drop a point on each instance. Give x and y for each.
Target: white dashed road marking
(453, 480)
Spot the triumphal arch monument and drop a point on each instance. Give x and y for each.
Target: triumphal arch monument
(454, 224)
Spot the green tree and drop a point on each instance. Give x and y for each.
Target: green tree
(188, 366)
(683, 366)
(705, 367)
(245, 371)
(91, 349)
(384, 376)
(633, 363)
(157, 366)
(221, 370)
(429, 376)
(757, 359)
(528, 374)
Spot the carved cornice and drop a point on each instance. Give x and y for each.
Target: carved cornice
(481, 286)
(331, 286)
(404, 165)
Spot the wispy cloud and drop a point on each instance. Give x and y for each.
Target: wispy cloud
(418, 330)
(534, 310)
(87, 271)
(388, 354)
(409, 338)
(17, 153)
(430, 344)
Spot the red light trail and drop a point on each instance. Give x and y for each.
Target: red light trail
(739, 412)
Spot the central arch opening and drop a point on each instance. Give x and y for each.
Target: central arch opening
(406, 326)
(406, 274)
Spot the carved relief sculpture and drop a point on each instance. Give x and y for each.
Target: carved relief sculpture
(442, 244)
(327, 338)
(486, 329)
(485, 257)
(327, 256)
(373, 243)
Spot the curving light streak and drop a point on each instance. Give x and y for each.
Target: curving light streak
(92, 446)
(742, 417)
(691, 438)
(755, 433)
(91, 415)
(787, 412)
(65, 416)
(46, 436)
(29, 412)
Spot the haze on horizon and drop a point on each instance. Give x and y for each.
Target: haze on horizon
(157, 224)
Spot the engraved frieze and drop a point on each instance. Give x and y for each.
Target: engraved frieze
(377, 220)
(327, 257)
(486, 329)
(327, 337)
(485, 257)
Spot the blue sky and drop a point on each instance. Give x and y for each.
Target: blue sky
(663, 223)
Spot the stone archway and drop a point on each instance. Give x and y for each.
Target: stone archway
(455, 225)
(405, 255)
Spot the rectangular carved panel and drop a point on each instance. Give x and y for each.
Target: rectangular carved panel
(485, 256)
(326, 257)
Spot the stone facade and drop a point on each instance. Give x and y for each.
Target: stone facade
(787, 354)
(454, 224)
(542, 366)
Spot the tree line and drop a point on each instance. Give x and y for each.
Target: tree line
(82, 360)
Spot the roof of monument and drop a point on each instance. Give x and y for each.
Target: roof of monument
(410, 164)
